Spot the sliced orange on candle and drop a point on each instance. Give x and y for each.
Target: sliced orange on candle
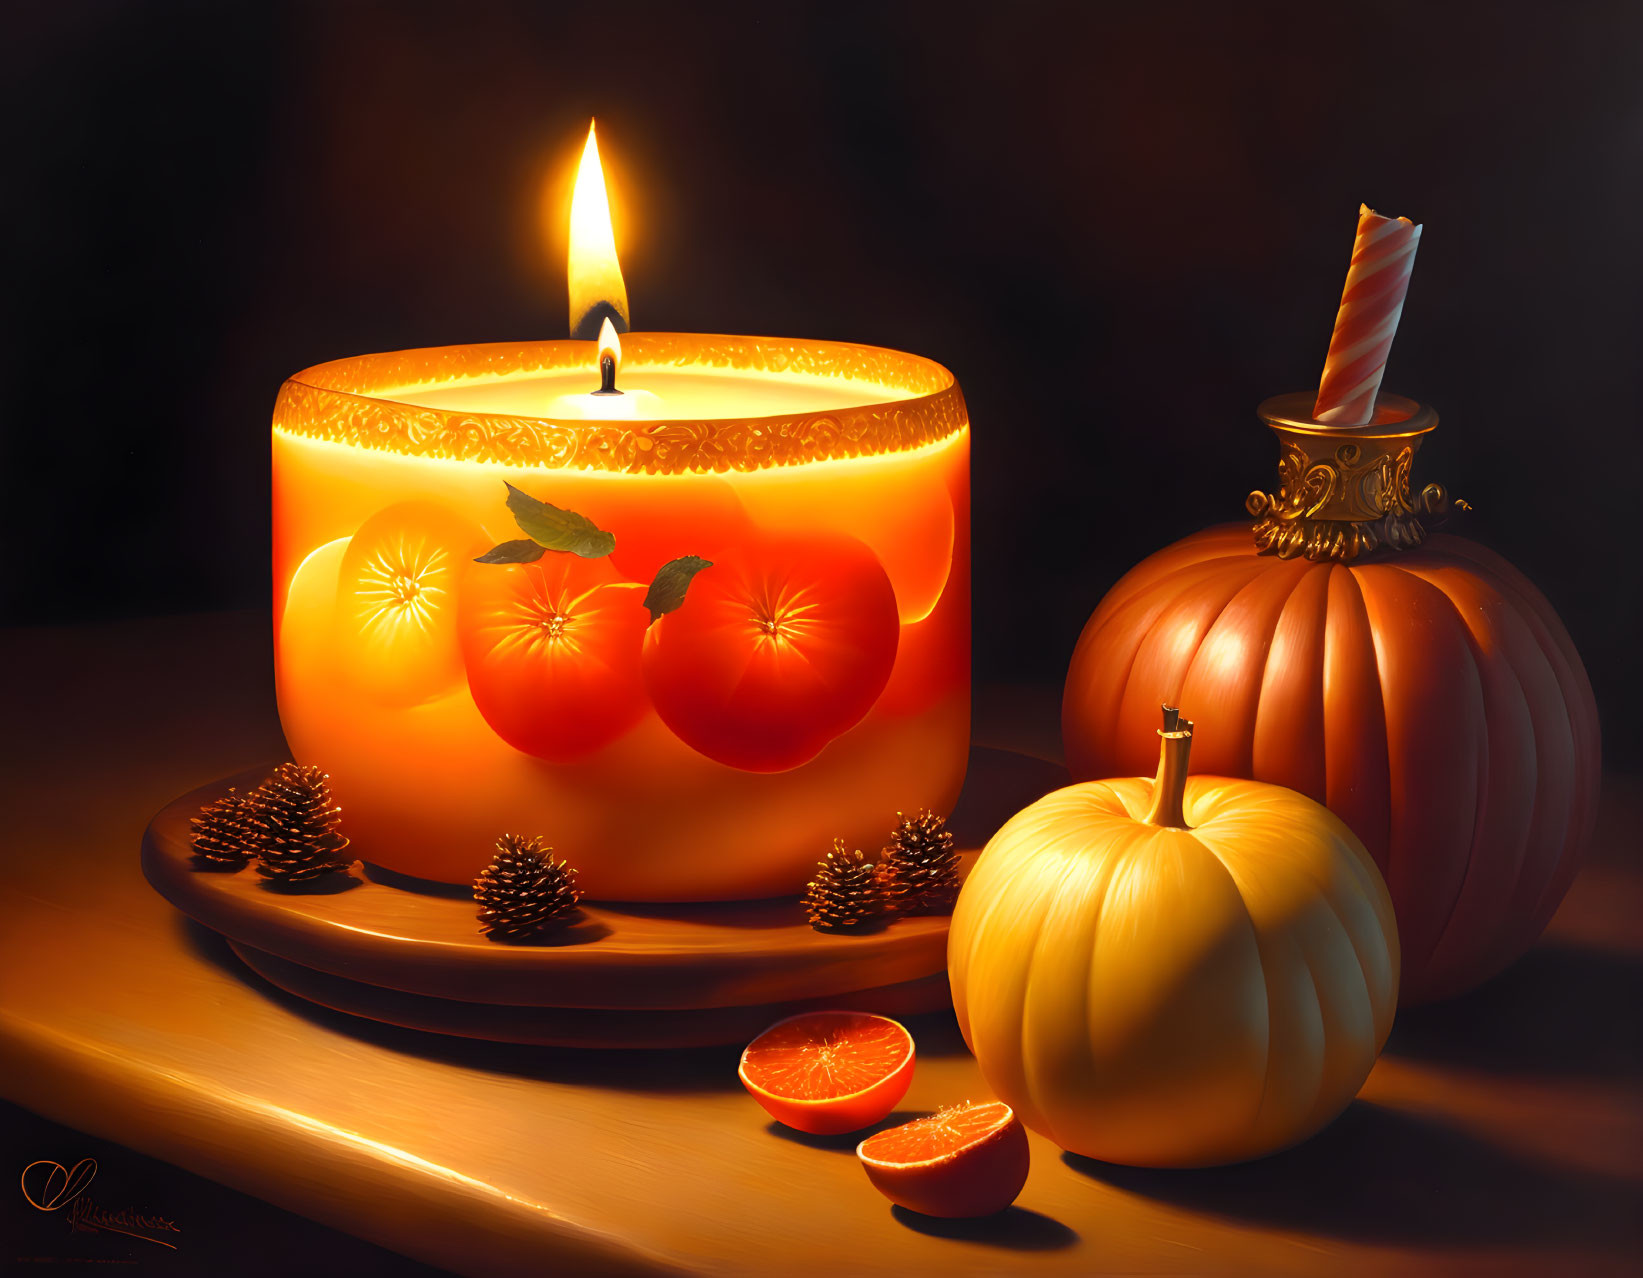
(829, 1072)
(895, 504)
(784, 644)
(970, 1160)
(552, 653)
(396, 614)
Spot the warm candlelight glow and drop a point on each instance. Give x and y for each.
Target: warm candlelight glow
(462, 663)
(594, 274)
(816, 677)
(610, 344)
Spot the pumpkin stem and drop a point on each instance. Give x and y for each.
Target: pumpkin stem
(1174, 752)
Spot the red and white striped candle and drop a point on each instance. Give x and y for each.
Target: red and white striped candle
(1383, 256)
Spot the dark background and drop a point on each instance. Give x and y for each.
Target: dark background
(1121, 226)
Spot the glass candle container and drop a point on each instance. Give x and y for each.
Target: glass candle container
(814, 681)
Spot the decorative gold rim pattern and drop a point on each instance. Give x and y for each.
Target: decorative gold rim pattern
(347, 402)
(1344, 491)
(1397, 415)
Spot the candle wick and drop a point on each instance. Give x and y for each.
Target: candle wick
(607, 376)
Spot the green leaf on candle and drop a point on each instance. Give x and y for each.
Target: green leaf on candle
(523, 551)
(556, 529)
(673, 578)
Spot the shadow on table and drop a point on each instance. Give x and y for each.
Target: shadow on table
(846, 1142)
(688, 1070)
(1386, 1176)
(325, 885)
(1559, 1011)
(935, 1034)
(757, 916)
(1014, 1228)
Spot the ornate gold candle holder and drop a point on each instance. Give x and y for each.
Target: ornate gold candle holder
(1344, 491)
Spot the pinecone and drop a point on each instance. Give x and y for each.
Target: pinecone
(223, 837)
(843, 894)
(918, 872)
(523, 889)
(296, 825)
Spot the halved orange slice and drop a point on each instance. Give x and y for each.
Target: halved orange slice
(829, 1072)
(969, 1160)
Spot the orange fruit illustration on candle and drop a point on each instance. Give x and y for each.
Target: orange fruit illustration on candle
(970, 1160)
(829, 1072)
(685, 514)
(395, 623)
(783, 645)
(552, 653)
(900, 508)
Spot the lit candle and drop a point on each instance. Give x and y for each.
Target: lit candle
(678, 733)
(598, 293)
(607, 403)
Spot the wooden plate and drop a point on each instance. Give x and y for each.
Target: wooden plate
(579, 1027)
(423, 939)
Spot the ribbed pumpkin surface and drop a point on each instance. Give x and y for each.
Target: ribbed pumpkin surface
(1431, 699)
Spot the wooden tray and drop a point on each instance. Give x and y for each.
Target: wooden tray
(410, 953)
(579, 1027)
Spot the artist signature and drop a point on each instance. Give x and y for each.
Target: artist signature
(49, 1186)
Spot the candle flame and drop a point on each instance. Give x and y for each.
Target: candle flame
(610, 344)
(595, 275)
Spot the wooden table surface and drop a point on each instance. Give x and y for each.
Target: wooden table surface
(1501, 1133)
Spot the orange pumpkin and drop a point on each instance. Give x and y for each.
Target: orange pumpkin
(1430, 697)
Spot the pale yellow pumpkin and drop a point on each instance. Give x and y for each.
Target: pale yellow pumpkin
(1176, 972)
